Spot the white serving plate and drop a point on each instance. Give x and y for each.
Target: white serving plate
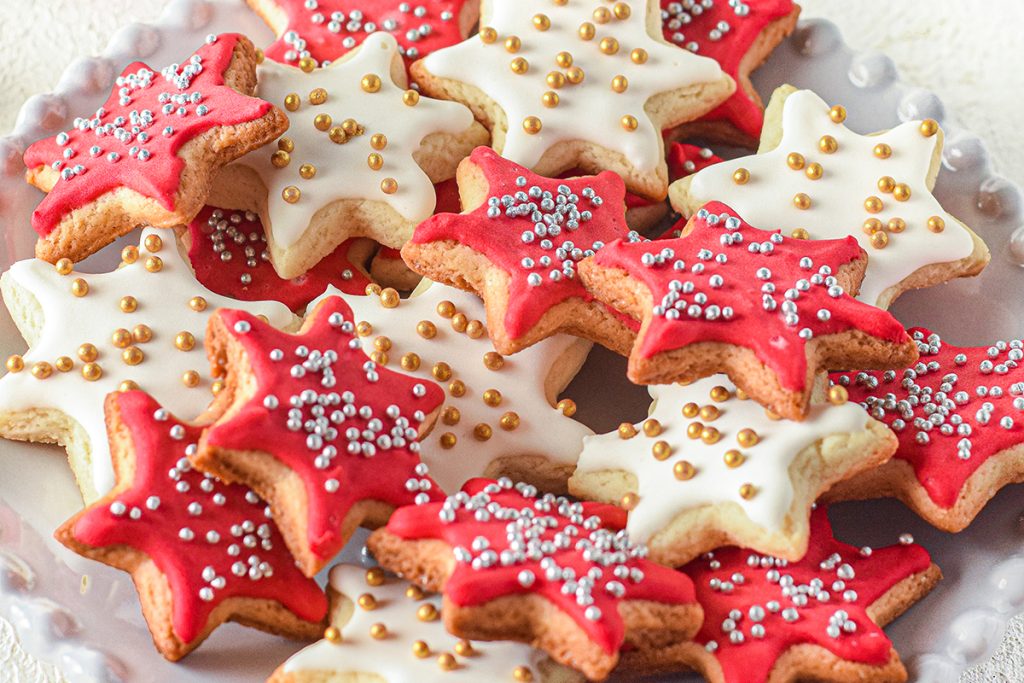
(85, 617)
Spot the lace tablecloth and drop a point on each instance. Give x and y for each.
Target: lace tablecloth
(968, 53)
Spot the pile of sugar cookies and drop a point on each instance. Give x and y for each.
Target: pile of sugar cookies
(370, 258)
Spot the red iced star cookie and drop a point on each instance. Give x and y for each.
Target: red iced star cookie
(771, 311)
(325, 435)
(228, 252)
(769, 621)
(957, 413)
(516, 244)
(739, 36)
(147, 155)
(201, 552)
(323, 30)
(518, 565)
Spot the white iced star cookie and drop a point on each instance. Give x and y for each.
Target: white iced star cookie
(813, 176)
(709, 468)
(587, 84)
(141, 325)
(359, 159)
(386, 629)
(501, 415)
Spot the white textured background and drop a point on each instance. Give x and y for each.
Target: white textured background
(968, 52)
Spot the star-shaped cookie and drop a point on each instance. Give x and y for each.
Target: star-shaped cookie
(228, 253)
(359, 157)
(139, 326)
(770, 311)
(710, 467)
(200, 552)
(323, 30)
(815, 177)
(147, 155)
(325, 435)
(501, 415)
(961, 434)
(739, 36)
(583, 84)
(518, 565)
(517, 243)
(767, 620)
(390, 630)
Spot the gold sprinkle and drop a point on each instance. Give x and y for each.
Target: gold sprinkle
(488, 35)
(374, 576)
(492, 397)
(364, 329)
(427, 612)
(837, 114)
(512, 44)
(87, 353)
(747, 491)
(464, 648)
(626, 431)
(292, 102)
(493, 360)
(828, 144)
(795, 161)
(382, 343)
(929, 127)
(747, 438)
(389, 297)
(291, 194)
(629, 122)
(522, 674)
(79, 287)
(64, 364)
(482, 432)
(691, 410)
(741, 176)
(532, 125)
(414, 592)
(370, 83)
(410, 362)
(710, 435)
(709, 413)
(661, 450)
(873, 204)
(153, 243)
(451, 416)
(446, 660)
(871, 226)
(694, 430)
(814, 171)
(564, 59)
(567, 407)
(629, 501)
(509, 421)
(332, 635)
(130, 254)
(426, 329)
(64, 266)
(475, 329)
(608, 45)
(555, 79)
(447, 440)
(216, 387)
(317, 96)
(121, 338)
(719, 394)
(128, 304)
(519, 65)
(541, 22)
(457, 388)
(621, 11)
(800, 234)
(280, 159)
(92, 372)
(602, 15)
(446, 309)
(378, 141)
(936, 224)
(389, 186)
(550, 99)
(190, 378)
(684, 470)
(838, 395)
(367, 601)
(15, 363)
(420, 649)
(651, 427)
(441, 371)
(378, 631)
(880, 240)
(733, 458)
(307, 64)
(286, 145)
(379, 357)
(801, 201)
(897, 225)
(459, 322)
(410, 98)
(575, 75)
(882, 151)
(322, 122)
(886, 184)
(307, 171)
(142, 334)
(127, 385)
(41, 370)
(901, 192)
(586, 31)
(133, 355)
(638, 55)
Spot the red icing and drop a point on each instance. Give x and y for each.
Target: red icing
(918, 393)
(159, 176)
(242, 236)
(739, 110)
(500, 239)
(394, 474)
(776, 343)
(684, 159)
(230, 515)
(873, 574)
(447, 193)
(325, 40)
(469, 586)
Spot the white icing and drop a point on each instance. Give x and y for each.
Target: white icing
(543, 430)
(851, 175)
(342, 171)
(392, 658)
(663, 497)
(592, 101)
(163, 304)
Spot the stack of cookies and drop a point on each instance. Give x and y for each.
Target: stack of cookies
(373, 255)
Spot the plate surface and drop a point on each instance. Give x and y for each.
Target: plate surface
(68, 610)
